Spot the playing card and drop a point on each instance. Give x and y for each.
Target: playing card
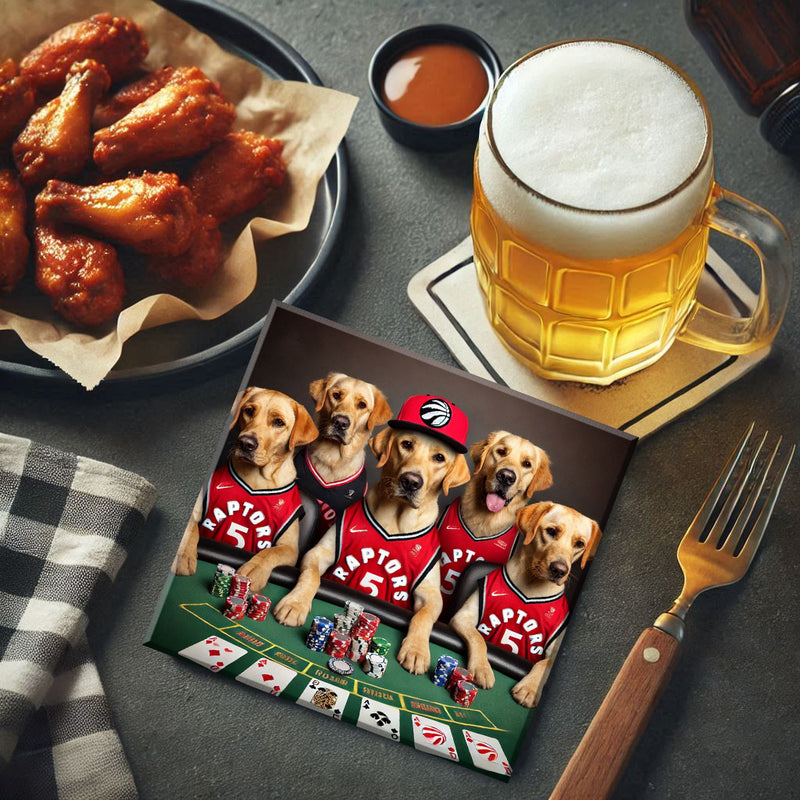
(213, 652)
(267, 676)
(379, 718)
(433, 736)
(324, 697)
(487, 753)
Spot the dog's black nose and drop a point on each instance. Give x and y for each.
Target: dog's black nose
(559, 570)
(340, 421)
(248, 443)
(411, 482)
(506, 477)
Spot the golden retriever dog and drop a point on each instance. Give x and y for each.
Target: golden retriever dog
(331, 469)
(252, 500)
(521, 606)
(479, 525)
(386, 545)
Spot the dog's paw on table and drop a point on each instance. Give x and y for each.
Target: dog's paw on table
(291, 613)
(526, 693)
(414, 657)
(482, 674)
(257, 574)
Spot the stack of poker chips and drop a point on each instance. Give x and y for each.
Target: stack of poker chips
(366, 626)
(374, 665)
(235, 607)
(337, 643)
(342, 623)
(357, 649)
(464, 692)
(321, 628)
(352, 611)
(456, 675)
(380, 646)
(240, 586)
(258, 607)
(222, 580)
(444, 666)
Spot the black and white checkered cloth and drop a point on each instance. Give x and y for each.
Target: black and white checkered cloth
(65, 525)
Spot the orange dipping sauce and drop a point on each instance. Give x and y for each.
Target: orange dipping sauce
(435, 84)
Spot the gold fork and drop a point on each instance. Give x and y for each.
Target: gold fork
(717, 558)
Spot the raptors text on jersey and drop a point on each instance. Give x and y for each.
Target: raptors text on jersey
(247, 518)
(383, 565)
(522, 625)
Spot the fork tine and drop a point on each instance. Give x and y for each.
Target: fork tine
(757, 533)
(717, 532)
(703, 514)
(752, 498)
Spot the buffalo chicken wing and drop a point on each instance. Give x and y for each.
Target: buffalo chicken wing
(152, 213)
(14, 243)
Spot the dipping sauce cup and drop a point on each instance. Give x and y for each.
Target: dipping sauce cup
(593, 198)
(431, 85)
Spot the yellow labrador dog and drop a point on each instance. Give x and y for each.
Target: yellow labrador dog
(331, 469)
(479, 525)
(252, 501)
(521, 606)
(386, 545)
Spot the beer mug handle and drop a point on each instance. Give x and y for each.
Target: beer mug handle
(734, 216)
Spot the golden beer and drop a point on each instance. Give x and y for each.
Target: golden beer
(590, 262)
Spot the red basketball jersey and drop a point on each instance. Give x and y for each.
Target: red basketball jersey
(520, 624)
(460, 547)
(246, 518)
(387, 566)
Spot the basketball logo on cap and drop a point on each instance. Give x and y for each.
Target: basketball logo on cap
(436, 413)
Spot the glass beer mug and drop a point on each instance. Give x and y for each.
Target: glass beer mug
(594, 195)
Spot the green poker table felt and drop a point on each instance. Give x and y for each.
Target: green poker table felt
(407, 708)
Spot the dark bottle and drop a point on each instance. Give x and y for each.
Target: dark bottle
(755, 45)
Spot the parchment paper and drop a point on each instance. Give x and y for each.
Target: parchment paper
(310, 120)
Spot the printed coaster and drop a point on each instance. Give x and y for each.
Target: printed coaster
(447, 295)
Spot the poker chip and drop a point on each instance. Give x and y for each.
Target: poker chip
(444, 666)
(337, 643)
(226, 569)
(240, 586)
(458, 674)
(341, 665)
(222, 580)
(258, 607)
(374, 665)
(357, 649)
(353, 610)
(464, 693)
(366, 626)
(380, 645)
(321, 628)
(342, 623)
(235, 607)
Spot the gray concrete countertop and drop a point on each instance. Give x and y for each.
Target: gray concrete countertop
(729, 722)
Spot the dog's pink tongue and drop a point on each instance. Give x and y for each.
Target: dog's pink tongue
(494, 502)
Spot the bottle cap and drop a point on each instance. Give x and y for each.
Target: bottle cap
(780, 122)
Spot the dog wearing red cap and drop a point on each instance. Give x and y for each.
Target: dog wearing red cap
(386, 545)
(521, 606)
(480, 525)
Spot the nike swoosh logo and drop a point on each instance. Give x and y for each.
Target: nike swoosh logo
(452, 527)
(225, 486)
(499, 594)
(359, 530)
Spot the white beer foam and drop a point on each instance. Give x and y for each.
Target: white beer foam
(603, 127)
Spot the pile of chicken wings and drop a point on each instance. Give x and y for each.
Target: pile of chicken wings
(98, 155)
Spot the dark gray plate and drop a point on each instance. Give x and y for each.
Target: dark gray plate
(287, 265)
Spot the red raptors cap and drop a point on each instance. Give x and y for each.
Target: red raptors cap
(436, 417)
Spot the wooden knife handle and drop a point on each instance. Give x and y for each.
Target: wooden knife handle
(600, 759)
